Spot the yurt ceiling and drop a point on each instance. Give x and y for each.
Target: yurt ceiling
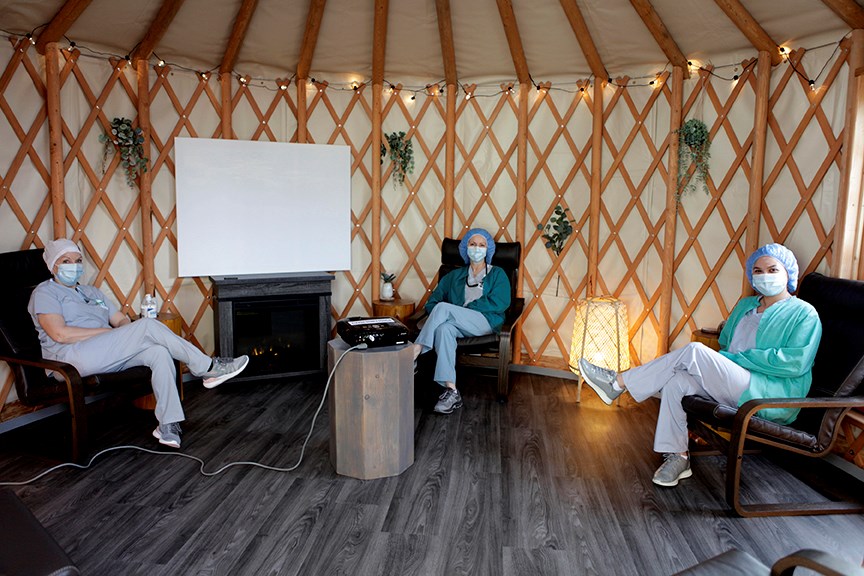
(630, 38)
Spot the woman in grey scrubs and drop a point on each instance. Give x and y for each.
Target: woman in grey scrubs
(78, 325)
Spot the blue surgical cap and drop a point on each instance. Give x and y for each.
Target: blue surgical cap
(781, 254)
(490, 244)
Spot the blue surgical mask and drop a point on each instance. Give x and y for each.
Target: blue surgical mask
(69, 274)
(476, 253)
(769, 284)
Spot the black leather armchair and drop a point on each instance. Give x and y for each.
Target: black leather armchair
(838, 386)
(492, 351)
(19, 347)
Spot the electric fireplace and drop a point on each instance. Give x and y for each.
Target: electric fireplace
(282, 321)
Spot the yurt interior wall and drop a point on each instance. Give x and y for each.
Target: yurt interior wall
(601, 147)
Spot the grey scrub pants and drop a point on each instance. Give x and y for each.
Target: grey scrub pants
(693, 369)
(145, 342)
(445, 324)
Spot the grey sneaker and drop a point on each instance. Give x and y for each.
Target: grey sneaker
(600, 380)
(168, 434)
(674, 468)
(448, 401)
(224, 369)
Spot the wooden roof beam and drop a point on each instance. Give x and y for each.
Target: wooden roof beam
(849, 10)
(661, 34)
(379, 41)
(508, 19)
(583, 36)
(238, 33)
(60, 24)
(750, 28)
(310, 37)
(167, 11)
(445, 31)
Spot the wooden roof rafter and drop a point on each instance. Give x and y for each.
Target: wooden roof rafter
(310, 37)
(445, 31)
(750, 28)
(661, 34)
(379, 43)
(849, 10)
(238, 33)
(511, 30)
(167, 11)
(60, 24)
(583, 36)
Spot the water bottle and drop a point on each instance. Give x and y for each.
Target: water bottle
(148, 307)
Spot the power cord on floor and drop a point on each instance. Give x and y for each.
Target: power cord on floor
(201, 462)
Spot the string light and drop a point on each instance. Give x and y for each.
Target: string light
(435, 89)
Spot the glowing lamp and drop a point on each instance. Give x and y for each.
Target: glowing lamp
(601, 335)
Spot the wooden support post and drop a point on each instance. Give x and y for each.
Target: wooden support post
(847, 260)
(671, 212)
(55, 138)
(379, 45)
(449, 159)
(521, 197)
(596, 182)
(302, 112)
(144, 184)
(225, 113)
(757, 163)
(377, 94)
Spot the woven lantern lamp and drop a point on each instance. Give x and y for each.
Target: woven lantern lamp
(601, 335)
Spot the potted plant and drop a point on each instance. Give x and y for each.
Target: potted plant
(401, 154)
(694, 145)
(128, 141)
(556, 233)
(387, 287)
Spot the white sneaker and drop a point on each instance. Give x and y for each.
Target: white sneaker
(600, 380)
(224, 369)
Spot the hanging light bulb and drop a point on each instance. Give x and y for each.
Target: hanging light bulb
(812, 84)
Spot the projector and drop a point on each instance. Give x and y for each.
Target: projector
(382, 331)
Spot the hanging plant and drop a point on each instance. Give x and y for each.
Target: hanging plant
(556, 233)
(128, 141)
(401, 154)
(694, 145)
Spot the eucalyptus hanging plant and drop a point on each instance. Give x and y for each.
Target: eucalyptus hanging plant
(556, 233)
(128, 141)
(694, 144)
(401, 154)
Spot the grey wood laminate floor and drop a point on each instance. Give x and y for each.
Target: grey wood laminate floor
(541, 485)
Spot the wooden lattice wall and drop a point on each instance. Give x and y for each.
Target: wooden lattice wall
(803, 158)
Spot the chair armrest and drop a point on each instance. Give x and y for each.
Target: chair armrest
(815, 560)
(63, 368)
(747, 410)
(751, 407)
(418, 315)
(514, 314)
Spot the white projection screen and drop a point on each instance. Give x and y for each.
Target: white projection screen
(247, 207)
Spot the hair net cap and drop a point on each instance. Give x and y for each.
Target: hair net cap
(781, 254)
(57, 248)
(490, 244)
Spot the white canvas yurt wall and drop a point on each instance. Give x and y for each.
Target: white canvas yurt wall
(803, 160)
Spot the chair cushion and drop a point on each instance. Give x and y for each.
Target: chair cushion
(720, 415)
(485, 341)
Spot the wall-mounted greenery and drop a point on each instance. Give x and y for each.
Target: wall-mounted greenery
(401, 154)
(128, 141)
(694, 145)
(556, 233)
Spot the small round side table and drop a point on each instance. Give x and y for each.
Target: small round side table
(397, 308)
